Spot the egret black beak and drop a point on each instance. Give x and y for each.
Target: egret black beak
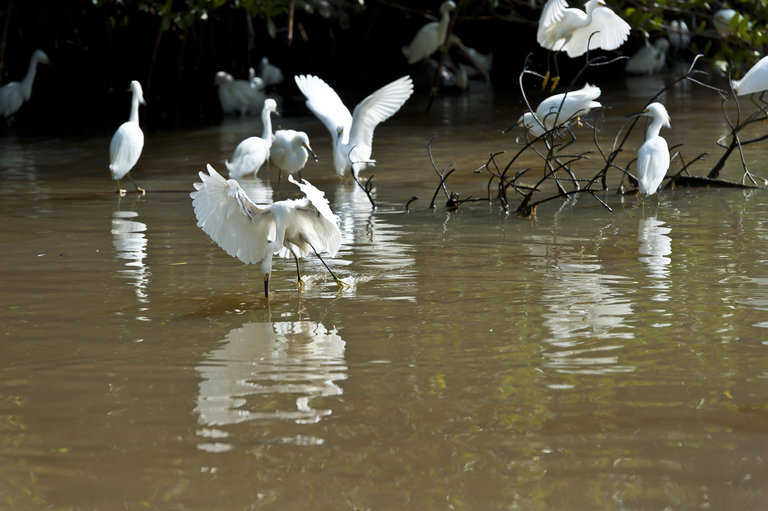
(266, 285)
(310, 151)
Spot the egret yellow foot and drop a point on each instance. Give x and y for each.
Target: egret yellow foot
(555, 81)
(545, 81)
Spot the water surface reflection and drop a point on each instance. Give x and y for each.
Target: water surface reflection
(130, 244)
(269, 372)
(654, 246)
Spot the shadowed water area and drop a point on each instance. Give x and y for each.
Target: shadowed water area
(581, 359)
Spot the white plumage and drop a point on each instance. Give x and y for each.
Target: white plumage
(429, 37)
(14, 94)
(255, 233)
(127, 142)
(756, 79)
(567, 29)
(251, 153)
(290, 150)
(270, 73)
(352, 134)
(238, 96)
(563, 108)
(653, 156)
(649, 59)
(679, 35)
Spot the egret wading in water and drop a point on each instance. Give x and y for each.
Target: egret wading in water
(352, 134)
(562, 28)
(128, 142)
(561, 108)
(239, 96)
(649, 59)
(653, 155)
(252, 233)
(14, 94)
(251, 153)
(429, 37)
(290, 151)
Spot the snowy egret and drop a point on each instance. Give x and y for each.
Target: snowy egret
(269, 73)
(722, 21)
(127, 142)
(14, 94)
(561, 108)
(649, 59)
(290, 150)
(653, 155)
(292, 227)
(238, 96)
(756, 79)
(429, 37)
(352, 134)
(679, 35)
(251, 153)
(256, 82)
(562, 28)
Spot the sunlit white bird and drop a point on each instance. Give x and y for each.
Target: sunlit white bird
(252, 233)
(14, 94)
(429, 37)
(653, 155)
(251, 153)
(722, 21)
(563, 108)
(238, 96)
(290, 150)
(269, 73)
(128, 142)
(649, 59)
(352, 134)
(568, 29)
(678, 34)
(756, 79)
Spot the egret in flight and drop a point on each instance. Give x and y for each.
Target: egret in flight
(562, 109)
(562, 28)
(352, 134)
(252, 233)
(290, 151)
(429, 37)
(14, 94)
(653, 155)
(127, 142)
(251, 153)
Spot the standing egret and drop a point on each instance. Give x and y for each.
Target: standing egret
(290, 150)
(127, 142)
(574, 31)
(238, 96)
(251, 153)
(563, 108)
(756, 79)
(429, 37)
(679, 35)
(14, 94)
(352, 134)
(269, 73)
(254, 233)
(649, 59)
(653, 155)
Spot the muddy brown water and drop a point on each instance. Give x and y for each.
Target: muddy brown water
(583, 359)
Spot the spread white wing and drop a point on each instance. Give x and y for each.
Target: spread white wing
(610, 32)
(313, 218)
(378, 107)
(323, 101)
(226, 214)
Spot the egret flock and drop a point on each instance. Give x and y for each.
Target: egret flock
(299, 227)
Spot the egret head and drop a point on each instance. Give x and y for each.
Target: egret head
(531, 124)
(137, 90)
(447, 6)
(303, 140)
(222, 77)
(271, 105)
(40, 56)
(657, 111)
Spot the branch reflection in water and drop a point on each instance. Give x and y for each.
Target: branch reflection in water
(258, 369)
(130, 244)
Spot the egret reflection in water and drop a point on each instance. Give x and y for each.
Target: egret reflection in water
(269, 372)
(130, 244)
(654, 246)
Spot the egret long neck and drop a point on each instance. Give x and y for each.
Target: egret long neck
(443, 27)
(266, 120)
(26, 83)
(134, 116)
(654, 128)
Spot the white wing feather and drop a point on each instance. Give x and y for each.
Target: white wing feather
(323, 101)
(610, 32)
(226, 214)
(551, 13)
(316, 222)
(378, 107)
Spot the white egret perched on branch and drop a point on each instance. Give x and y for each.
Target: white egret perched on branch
(352, 134)
(251, 153)
(290, 150)
(653, 155)
(252, 233)
(561, 108)
(756, 79)
(127, 142)
(14, 94)
(574, 31)
(429, 37)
